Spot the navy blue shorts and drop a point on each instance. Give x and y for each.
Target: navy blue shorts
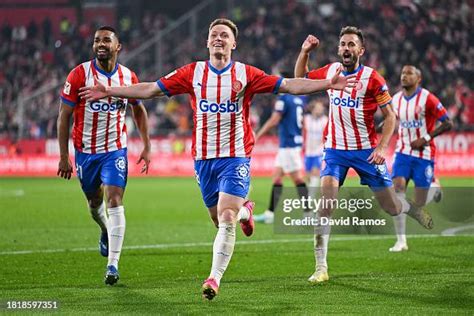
(337, 163)
(311, 162)
(413, 168)
(108, 168)
(230, 175)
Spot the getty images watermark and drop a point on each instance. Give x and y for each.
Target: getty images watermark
(357, 211)
(313, 206)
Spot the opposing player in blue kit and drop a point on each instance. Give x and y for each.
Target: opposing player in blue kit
(288, 116)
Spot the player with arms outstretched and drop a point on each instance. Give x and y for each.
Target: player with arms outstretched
(350, 137)
(221, 90)
(418, 110)
(100, 141)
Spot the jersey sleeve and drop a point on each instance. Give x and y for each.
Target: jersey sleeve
(135, 80)
(280, 105)
(379, 89)
(178, 81)
(319, 73)
(260, 82)
(75, 80)
(435, 108)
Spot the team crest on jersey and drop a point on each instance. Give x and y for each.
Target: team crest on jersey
(67, 88)
(170, 74)
(359, 86)
(237, 86)
(243, 170)
(121, 164)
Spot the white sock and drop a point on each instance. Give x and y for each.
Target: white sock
(321, 240)
(313, 185)
(432, 191)
(222, 250)
(99, 216)
(399, 221)
(116, 225)
(314, 181)
(244, 214)
(402, 198)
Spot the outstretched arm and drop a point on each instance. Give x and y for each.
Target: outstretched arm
(308, 86)
(301, 67)
(143, 90)
(269, 124)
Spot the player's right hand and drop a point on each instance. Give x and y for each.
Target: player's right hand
(65, 168)
(97, 92)
(311, 42)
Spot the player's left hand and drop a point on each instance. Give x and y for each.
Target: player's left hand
(345, 83)
(377, 157)
(145, 157)
(418, 144)
(97, 92)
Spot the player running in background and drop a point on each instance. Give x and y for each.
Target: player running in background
(350, 138)
(418, 110)
(314, 125)
(220, 91)
(288, 115)
(100, 141)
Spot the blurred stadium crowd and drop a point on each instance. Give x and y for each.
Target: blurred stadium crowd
(434, 35)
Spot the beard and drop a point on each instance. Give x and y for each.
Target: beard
(349, 63)
(103, 57)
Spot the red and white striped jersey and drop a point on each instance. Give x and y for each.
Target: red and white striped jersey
(351, 116)
(418, 115)
(99, 126)
(313, 134)
(220, 100)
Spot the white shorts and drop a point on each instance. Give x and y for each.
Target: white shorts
(289, 159)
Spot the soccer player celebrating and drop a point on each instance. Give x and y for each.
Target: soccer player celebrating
(314, 124)
(418, 110)
(350, 138)
(221, 91)
(288, 115)
(100, 141)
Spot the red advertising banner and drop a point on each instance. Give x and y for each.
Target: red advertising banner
(171, 156)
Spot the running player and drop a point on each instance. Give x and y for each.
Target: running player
(350, 138)
(100, 141)
(314, 124)
(221, 91)
(288, 115)
(418, 110)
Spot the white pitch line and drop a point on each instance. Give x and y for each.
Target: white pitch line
(9, 193)
(207, 244)
(455, 230)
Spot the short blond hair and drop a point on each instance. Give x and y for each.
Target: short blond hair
(226, 22)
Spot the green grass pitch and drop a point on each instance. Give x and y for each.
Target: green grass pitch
(168, 249)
